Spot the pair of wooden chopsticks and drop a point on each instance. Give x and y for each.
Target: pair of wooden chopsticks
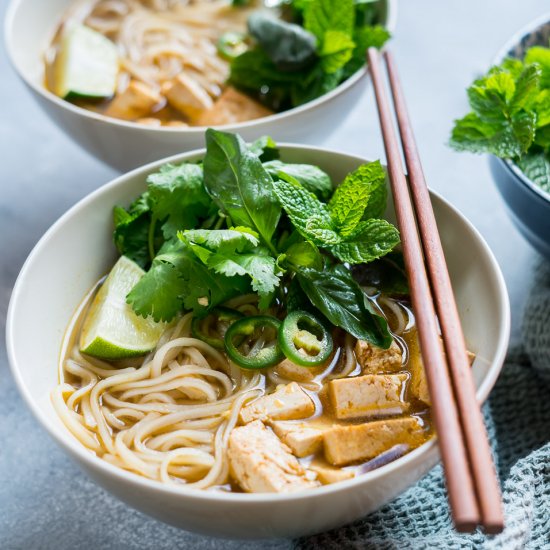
(472, 485)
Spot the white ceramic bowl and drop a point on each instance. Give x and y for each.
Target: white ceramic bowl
(78, 249)
(124, 145)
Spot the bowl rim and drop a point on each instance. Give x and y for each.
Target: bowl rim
(501, 54)
(78, 451)
(390, 24)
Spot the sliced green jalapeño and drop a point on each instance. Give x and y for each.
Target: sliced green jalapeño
(221, 316)
(304, 340)
(252, 342)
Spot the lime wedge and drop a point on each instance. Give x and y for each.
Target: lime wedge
(86, 65)
(111, 329)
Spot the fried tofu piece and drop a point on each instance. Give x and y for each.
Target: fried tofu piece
(328, 474)
(374, 360)
(418, 386)
(370, 396)
(232, 107)
(137, 101)
(187, 96)
(261, 463)
(288, 369)
(288, 402)
(348, 444)
(302, 439)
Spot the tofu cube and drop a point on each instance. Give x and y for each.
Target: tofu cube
(137, 101)
(328, 474)
(418, 386)
(348, 444)
(288, 369)
(288, 402)
(187, 96)
(261, 463)
(302, 439)
(371, 395)
(374, 360)
(231, 107)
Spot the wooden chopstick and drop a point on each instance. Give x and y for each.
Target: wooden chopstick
(452, 447)
(475, 434)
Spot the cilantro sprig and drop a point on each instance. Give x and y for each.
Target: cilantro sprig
(244, 221)
(510, 115)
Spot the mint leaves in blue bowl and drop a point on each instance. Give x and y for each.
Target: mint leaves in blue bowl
(510, 120)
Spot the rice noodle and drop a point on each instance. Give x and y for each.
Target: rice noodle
(159, 39)
(169, 416)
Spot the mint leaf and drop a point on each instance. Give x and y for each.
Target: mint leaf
(336, 51)
(236, 180)
(321, 16)
(542, 108)
(336, 294)
(542, 137)
(526, 88)
(537, 168)
(364, 188)
(309, 216)
(372, 239)
(540, 56)
(310, 177)
(490, 96)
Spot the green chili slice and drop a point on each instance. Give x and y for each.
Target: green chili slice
(252, 342)
(223, 317)
(231, 45)
(304, 340)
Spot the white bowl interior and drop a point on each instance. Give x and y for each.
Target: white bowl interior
(78, 250)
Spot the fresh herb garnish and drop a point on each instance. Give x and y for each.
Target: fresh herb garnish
(294, 62)
(510, 115)
(234, 224)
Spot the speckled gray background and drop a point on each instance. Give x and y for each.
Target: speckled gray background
(45, 501)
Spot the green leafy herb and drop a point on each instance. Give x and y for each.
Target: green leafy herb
(236, 180)
(176, 229)
(294, 62)
(312, 178)
(336, 294)
(289, 46)
(510, 115)
(338, 226)
(234, 252)
(386, 274)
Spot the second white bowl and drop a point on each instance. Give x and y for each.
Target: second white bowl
(124, 145)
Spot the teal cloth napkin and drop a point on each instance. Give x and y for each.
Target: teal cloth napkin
(517, 416)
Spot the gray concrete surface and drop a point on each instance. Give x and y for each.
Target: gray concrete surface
(45, 501)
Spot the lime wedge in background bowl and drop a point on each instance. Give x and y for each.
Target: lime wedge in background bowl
(111, 329)
(87, 64)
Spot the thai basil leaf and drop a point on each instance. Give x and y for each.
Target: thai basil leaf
(336, 294)
(236, 180)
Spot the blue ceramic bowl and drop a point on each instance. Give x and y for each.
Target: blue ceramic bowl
(528, 204)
